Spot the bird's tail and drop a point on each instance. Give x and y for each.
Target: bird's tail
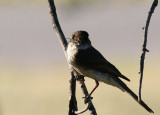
(135, 97)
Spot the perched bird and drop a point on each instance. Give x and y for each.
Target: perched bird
(87, 61)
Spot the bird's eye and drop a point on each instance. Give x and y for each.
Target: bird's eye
(75, 40)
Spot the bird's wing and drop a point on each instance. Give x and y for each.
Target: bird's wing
(93, 59)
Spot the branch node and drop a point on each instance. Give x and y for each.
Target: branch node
(145, 49)
(87, 99)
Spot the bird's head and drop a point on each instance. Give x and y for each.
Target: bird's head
(80, 38)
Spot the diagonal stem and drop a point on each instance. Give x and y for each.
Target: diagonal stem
(56, 25)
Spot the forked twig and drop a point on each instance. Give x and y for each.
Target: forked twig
(89, 103)
(144, 50)
(63, 41)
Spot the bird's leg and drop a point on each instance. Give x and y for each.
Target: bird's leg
(97, 84)
(89, 96)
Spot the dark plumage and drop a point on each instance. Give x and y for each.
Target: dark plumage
(96, 61)
(89, 62)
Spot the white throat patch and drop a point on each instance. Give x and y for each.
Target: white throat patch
(72, 49)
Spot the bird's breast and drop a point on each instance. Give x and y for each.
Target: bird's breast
(71, 52)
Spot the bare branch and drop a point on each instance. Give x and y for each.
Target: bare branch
(60, 35)
(72, 100)
(144, 50)
(90, 105)
(56, 25)
(85, 92)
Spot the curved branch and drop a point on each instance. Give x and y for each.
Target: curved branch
(155, 3)
(82, 111)
(60, 35)
(56, 25)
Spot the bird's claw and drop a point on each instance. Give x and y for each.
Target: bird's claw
(79, 77)
(87, 99)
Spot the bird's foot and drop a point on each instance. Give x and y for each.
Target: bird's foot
(79, 77)
(87, 99)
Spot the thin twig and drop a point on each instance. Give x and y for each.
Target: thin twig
(60, 35)
(72, 101)
(144, 50)
(85, 92)
(56, 25)
(89, 103)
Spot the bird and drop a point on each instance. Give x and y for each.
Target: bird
(89, 62)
